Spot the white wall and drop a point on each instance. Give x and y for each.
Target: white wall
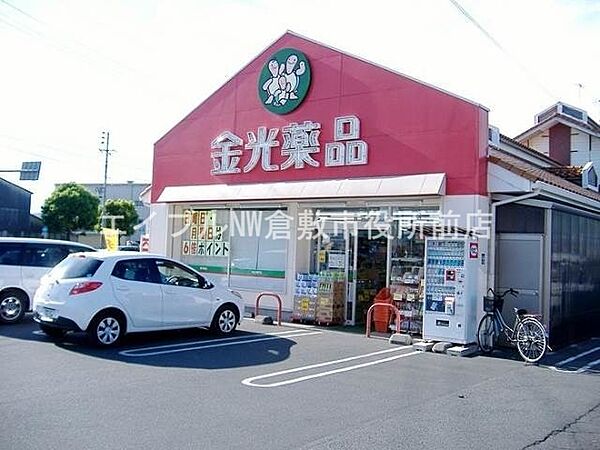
(580, 153)
(540, 142)
(596, 151)
(503, 180)
(463, 205)
(157, 226)
(580, 148)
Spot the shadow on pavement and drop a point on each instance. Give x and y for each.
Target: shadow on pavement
(582, 357)
(178, 348)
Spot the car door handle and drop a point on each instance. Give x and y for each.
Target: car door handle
(122, 288)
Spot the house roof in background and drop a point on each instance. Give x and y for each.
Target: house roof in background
(590, 126)
(534, 173)
(4, 180)
(530, 151)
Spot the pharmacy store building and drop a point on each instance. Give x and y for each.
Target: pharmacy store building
(326, 179)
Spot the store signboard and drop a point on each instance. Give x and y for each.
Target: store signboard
(347, 119)
(284, 81)
(204, 235)
(300, 147)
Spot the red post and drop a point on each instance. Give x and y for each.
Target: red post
(279, 304)
(389, 305)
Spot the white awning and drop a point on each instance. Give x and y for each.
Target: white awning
(409, 185)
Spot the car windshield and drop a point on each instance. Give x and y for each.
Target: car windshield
(76, 266)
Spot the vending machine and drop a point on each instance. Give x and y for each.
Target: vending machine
(451, 287)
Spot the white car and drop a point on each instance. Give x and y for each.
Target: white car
(109, 294)
(23, 261)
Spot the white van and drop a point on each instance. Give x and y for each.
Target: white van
(23, 262)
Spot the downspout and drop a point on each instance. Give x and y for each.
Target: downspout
(492, 249)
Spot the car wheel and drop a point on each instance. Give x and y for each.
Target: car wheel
(107, 329)
(55, 333)
(12, 306)
(225, 320)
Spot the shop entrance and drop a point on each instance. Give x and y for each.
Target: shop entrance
(369, 270)
(354, 257)
(362, 259)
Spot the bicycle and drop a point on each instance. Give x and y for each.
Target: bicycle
(528, 332)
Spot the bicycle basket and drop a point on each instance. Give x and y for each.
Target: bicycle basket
(488, 304)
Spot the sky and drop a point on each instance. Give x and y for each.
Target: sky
(70, 69)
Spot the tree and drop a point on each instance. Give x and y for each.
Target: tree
(70, 207)
(125, 210)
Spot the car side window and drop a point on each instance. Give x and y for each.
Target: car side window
(77, 249)
(176, 275)
(134, 270)
(11, 254)
(40, 255)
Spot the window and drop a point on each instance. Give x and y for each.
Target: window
(258, 252)
(76, 267)
(135, 270)
(44, 255)
(205, 241)
(11, 254)
(77, 249)
(232, 245)
(575, 113)
(175, 275)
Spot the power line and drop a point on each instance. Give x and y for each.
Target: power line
(68, 45)
(62, 150)
(499, 46)
(19, 10)
(28, 32)
(68, 156)
(27, 152)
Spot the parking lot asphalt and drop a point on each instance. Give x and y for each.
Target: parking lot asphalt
(274, 387)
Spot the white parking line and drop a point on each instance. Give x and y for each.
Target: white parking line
(579, 355)
(233, 338)
(251, 381)
(287, 324)
(147, 351)
(589, 366)
(575, 357)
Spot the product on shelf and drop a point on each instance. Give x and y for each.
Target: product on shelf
(331, 297)
(305, 296)
(406, 285)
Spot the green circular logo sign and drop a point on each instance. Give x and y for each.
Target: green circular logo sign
(284, 81)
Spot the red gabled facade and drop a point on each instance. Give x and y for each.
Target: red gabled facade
(410, 128)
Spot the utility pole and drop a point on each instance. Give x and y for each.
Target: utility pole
(580, 87)
(104, 141)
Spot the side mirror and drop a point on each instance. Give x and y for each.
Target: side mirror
(203, 283)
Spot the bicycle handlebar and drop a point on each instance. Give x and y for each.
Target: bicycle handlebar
(511, 291)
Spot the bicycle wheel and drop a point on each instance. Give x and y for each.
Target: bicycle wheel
(531, 340)
(486, 334)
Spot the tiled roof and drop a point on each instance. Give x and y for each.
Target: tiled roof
(569, 173)
(533, 173)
